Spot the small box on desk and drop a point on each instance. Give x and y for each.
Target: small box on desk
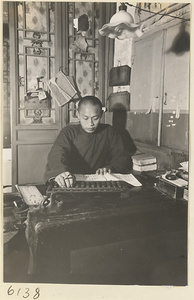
(171, 189)
(143, 159)
(144, 162)
(151, 167)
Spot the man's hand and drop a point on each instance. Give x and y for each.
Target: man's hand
(65, 179)
(102, 171)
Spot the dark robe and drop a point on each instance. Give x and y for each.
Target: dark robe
(80, 152)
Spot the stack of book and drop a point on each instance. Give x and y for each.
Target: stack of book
(144, 162)
(62, 88)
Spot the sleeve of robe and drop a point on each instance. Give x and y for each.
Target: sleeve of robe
(57, 161)
(120, 159)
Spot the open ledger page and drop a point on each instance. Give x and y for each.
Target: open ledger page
(129, 178)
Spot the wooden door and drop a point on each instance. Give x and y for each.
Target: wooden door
(176, 87)
(160, 88)
(35, 124)
(146, 88)
(42, 42)
(88, 57)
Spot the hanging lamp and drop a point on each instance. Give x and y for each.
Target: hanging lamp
(121, 26)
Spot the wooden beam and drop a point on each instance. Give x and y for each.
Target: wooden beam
(13, 88)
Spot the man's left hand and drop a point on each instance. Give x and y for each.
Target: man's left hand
(102, 171)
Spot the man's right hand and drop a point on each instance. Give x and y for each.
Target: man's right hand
(65, 179)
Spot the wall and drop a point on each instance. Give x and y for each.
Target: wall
(174, 146)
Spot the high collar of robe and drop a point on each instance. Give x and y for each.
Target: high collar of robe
(98, 129)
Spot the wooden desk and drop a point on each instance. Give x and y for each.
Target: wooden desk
(141, 239)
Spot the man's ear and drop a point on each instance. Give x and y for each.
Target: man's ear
(104, 109)
(78, 114)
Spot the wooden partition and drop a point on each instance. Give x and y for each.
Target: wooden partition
(43, 41)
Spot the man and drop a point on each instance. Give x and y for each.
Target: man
(88, 147)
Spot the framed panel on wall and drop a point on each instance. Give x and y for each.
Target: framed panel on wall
(36, 62)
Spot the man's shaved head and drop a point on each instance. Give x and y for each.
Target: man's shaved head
(92, 100)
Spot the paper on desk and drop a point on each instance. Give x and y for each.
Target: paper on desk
(90, 177)
(30, 194)
(129, 178)
(185, 166)
(178, 182)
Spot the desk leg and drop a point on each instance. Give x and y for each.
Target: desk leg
(31, 263)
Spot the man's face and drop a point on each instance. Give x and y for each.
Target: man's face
(89, 116)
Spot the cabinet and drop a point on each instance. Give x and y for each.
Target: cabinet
(160, 88)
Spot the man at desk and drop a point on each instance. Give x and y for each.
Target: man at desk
(88, 147)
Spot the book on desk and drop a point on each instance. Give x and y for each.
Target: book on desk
(144, 162)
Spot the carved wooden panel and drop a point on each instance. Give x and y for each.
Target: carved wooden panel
(83, 52)
(36, 61)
